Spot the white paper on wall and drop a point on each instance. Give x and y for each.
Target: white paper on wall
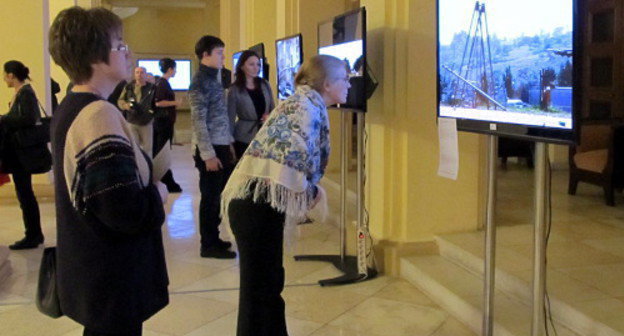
(449, 153)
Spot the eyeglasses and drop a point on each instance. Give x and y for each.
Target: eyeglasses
(122, 47)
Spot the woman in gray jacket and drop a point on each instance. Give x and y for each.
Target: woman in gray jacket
(249, 101)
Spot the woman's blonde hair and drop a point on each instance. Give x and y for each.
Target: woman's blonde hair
(316, 70)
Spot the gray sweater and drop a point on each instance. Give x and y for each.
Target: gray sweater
(243, 112)
(211, 124)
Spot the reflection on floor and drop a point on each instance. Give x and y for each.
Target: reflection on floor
(585, 260)
(204, 292)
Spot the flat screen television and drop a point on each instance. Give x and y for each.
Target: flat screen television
(289, 52)
(345, 37)
(180, 82)
(236, 56)
(510, 68)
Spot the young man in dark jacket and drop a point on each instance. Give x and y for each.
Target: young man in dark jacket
(212, 143)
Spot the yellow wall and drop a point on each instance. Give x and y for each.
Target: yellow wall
(22, 40)
(169, 31)
(406, 199)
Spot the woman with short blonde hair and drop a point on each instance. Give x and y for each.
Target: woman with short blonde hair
(276, 184)
(316, 71)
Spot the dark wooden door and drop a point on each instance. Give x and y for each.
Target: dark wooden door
(603, 61)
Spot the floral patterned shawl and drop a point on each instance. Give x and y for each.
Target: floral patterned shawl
(286, 160)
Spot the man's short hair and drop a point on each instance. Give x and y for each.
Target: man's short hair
(81, 37)
(165, 64)
(206, 44)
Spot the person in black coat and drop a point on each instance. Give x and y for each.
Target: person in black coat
(111, 272)
(23, 113)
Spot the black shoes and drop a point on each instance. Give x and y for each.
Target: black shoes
(27, 243)
(223, 244)
(218, 251)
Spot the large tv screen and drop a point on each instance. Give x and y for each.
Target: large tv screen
(509, 67)
(236, 56)
(289, 58)
(345, 37)
(180, 82)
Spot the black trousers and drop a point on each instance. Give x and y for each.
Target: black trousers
(28, 204)
(240, 148)
(211, 184)
(137, 332)
(259, 233)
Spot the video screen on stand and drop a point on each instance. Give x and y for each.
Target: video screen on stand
(509, 62)
(345, 38)
(289, 58)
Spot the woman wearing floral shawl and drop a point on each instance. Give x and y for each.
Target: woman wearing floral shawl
(276, 183)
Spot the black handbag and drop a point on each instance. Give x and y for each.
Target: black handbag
(36, 134)
(47, 288)
(31, 145)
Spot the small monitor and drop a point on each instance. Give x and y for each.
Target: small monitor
(289, 58)
(182, 79)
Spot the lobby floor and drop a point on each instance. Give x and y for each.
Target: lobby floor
(204, 292)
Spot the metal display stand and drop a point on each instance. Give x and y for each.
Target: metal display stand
(490, 238)
(542, 191)
(355, 268)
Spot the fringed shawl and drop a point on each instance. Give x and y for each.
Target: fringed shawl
(286, 160)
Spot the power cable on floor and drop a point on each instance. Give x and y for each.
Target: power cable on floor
(547, 309)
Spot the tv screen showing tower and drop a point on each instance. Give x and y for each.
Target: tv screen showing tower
(507, 61)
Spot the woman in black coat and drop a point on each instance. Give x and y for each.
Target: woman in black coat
(111, 272)
(23, 114)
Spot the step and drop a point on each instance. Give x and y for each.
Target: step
(459, 292)
(514, 278)
(5, 264)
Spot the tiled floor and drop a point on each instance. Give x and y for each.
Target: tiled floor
(204, 292)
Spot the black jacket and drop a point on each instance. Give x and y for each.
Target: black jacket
(23, 113)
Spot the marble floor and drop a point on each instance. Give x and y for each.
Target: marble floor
(204, 292)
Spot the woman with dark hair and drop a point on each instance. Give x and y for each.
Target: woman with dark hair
(111, 272)
(23, 114)
(275, 184)
(164, 120)
(249, 101)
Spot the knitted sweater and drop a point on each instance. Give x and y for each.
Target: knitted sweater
(111, 269)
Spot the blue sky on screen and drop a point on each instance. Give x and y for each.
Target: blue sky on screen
(350, 50)
(506, 18)
(182, 79)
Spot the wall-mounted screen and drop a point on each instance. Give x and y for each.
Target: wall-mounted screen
(509, 67)
(182, 79)
(345, 37)
(237, 56)
(289, 58)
